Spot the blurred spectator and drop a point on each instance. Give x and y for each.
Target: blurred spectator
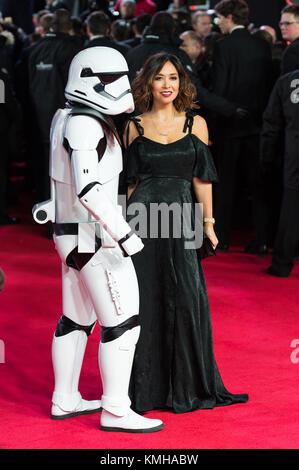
(262, 34)
(208, 44)
(181, 5)
(281, 122)
(193, 45)
(271, 31)
(236, 144)
(201, 23)
(77, 31)
(49, 63)
(77, 26)
(32, 139)
(120, 31)
(45, 24)
(138, 26)
(289, 26)
(145, 7)
(141, 7)
(37, 16)
(98, 30)
(127, 9)
(15, 38)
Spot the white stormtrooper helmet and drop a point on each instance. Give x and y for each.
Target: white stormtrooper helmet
(98, 78)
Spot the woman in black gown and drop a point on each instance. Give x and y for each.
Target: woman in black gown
(167, 160)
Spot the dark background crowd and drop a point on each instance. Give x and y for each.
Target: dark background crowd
(243, 64)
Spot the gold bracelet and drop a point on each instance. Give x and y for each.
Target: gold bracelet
(207, 219)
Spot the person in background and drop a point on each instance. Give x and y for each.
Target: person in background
(99, 29)
(289, 26)
(193, 46)
(178, 5)
(235, 144)
(201, 23)
(263, 34)
(271, 31)
(140, 7)
(127, 9)
(49, 63)
(280, 125)
(138, 26)
(32, 139)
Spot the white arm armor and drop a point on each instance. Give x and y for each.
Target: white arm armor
(83, 134)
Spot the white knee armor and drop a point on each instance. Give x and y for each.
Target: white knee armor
(94, 241)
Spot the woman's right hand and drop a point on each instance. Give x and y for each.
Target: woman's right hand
(210, 233)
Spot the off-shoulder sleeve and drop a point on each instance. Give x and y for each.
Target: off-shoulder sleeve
(204, 167)
(131, 163)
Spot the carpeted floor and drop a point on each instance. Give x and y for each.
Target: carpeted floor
(255, 322)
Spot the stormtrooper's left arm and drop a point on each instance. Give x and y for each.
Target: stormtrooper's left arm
(83, 134)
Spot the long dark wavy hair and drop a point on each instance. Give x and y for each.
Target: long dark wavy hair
(142, 84)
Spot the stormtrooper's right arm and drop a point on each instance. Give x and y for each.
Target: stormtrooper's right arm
(83, 134)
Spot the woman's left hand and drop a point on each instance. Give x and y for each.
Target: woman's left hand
(209, 231)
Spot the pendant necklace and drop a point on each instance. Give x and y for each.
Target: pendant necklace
(164, 134)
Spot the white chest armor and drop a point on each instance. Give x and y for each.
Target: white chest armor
(82, 133)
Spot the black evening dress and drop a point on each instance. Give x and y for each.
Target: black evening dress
(174, 365)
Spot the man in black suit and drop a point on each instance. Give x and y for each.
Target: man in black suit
(48, 66)
(289, 26)
(241, 73)
(281, 119)
(98, 30)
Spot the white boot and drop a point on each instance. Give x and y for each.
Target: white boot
(67, 356)
(116, 358)
(119, 419)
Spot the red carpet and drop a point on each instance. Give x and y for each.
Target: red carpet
(255, 319)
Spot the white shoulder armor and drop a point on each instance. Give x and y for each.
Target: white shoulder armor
(83, 132)
(60, 169)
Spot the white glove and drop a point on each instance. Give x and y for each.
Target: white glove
(132, 245)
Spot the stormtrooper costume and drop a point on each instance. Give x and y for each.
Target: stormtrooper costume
(94, 242)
